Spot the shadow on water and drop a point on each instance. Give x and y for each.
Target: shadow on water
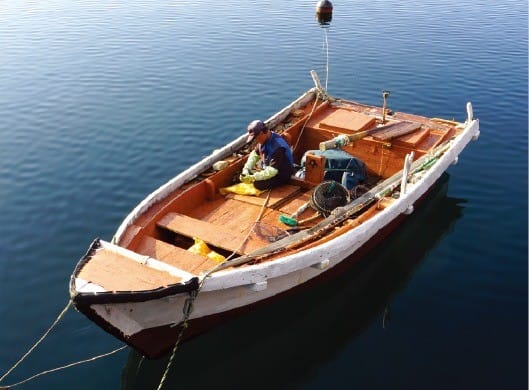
(281, 343)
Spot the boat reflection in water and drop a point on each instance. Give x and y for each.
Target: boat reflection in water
(297, 334)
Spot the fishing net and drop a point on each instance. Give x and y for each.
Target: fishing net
(358, 191)
(327, 196)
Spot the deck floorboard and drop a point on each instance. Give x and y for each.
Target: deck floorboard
(114, 272)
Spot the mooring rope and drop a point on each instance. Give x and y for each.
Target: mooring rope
(323, 93)
(63, 367)
(326, 48)
(63, 312)
(306, 121)
(61, 315)
(188, 305)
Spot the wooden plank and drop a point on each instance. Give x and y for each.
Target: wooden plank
(412, 139)
(293, 206)
(233, 215)
(344, 120)
(394, 130)
(215, 235)
(114, 272)
(277, 196)
(175, 256)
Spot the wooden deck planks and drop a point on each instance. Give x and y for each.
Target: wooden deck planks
(278, 196)
(216, 235)
(175, 256)
(118, 273)
(293, 206)
(228, 223)
(234, 215)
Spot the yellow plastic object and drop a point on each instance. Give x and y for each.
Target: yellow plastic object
(241, 189)
(201, 248)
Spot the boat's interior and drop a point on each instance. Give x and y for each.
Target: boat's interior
(237, 224)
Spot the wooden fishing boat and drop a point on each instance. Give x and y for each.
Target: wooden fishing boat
(197, 250)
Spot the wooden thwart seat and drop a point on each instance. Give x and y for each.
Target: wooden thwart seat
(175, 256)
(215, 235)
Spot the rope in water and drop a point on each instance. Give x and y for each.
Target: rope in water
(323, 93)
(326, 48)
(188, 305)
(63, 312)
(63, 367)
(61, 315)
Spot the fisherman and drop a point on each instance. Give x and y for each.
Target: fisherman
(276, 163)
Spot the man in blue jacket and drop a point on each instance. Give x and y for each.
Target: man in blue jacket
(273, 153)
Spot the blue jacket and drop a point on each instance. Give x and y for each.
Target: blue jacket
(270, 147)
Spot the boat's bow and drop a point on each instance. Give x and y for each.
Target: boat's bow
(108, 273)
(109, 277)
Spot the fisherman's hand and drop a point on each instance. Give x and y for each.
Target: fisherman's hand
(247, 178)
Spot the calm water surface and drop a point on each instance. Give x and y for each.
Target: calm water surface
(101, 102)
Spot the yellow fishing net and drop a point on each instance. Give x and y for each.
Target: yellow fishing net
(241, 189)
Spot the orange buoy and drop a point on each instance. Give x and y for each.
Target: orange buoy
(324, 12)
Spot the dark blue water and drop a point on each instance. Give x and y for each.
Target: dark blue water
(101, 102)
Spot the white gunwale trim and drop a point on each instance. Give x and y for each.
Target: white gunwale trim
(84, 286)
